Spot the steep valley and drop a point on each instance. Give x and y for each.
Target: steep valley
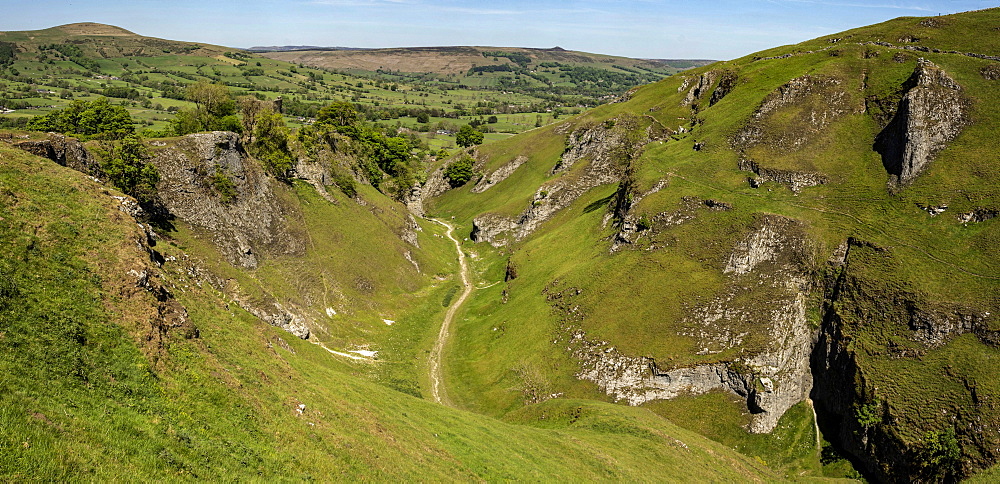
(780, 267)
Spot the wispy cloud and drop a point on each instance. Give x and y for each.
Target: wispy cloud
(891, 6)
(480, 11)
(362, 3)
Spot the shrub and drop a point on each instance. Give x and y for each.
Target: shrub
(459, 172)
(223, 185)
(346, 184)
(126, 165)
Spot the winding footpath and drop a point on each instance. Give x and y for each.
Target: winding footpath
(437, 390)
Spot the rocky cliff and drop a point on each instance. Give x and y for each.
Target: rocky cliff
(871, 322)
(931, 113)
(594, 156)
(243, 224)
(68, 152)
(770, 265)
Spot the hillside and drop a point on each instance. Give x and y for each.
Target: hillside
(814, 224)
(780, 267)
(44, 70)
(160, 360)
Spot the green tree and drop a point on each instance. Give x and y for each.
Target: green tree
(97, 118)
(270, 144)
(467, 136)
(459, 172)
(215, 110)
(126, 165)
(339, 114)
(213, 99)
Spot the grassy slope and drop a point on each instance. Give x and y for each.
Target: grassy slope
(634, 299)
(224, 406)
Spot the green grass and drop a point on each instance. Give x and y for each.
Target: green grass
(637, 299)
(224, 405)
(149, 60)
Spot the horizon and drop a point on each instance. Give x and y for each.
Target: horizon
(646, 29)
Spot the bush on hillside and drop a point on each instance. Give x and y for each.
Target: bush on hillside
(126, 165)
(459, 172)
(89, 119)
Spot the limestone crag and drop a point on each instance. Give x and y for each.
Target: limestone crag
(978, 215)
(68, 152)
(409, 232)
(770, 262)
(600, 147)
(251, 224)
(823, 98)
(930, 115)
(698, 86)
(499, 175)
(317, 174)
(435, 185)
(281, 317)
(637, 380)
(794, 180)
(819, 101)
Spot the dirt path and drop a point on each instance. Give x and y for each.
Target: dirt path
(437, 389)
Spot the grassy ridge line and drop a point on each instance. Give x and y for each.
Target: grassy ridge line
(243, 401)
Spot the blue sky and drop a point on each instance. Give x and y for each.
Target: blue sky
(637, 28)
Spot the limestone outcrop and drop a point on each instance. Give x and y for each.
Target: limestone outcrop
(771, 262)
(930, 115)
(252, 223)
(816, 102)
(68, 152)
(499, 175)
(600, 147)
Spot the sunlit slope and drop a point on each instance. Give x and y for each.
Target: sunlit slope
(99, 383)
(760, 196)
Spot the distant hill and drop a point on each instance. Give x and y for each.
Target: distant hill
(458, 59)
(286, 48)
(512, 68)
(100, 41)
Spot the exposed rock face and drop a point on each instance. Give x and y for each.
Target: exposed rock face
(770, 261)
(253, 223)
(141, 279)
(600, 147)
(435, 185)
(409, 233)
(727, 83)
(931, 114)
(978, 215)
(68, 152)
(823, 99)
(281, 317)
(700, 87)
(317, 174)
(499, 175)
(820, 101)
(795, 180)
